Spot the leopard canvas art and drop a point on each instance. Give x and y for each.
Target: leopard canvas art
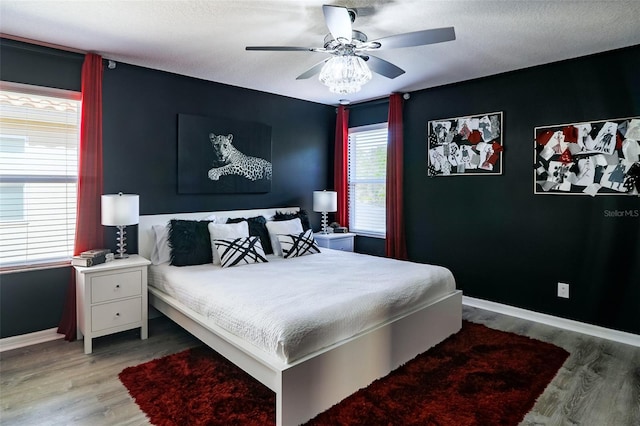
(234, 162)
(220, 155)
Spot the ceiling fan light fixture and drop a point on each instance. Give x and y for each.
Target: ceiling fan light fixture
(345, 74)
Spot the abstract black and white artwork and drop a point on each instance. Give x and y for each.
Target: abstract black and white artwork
(589, 158)
(465, 145)
(222, 155)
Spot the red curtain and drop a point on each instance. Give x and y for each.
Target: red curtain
(341, 165)
(395, 243)
(89, 231)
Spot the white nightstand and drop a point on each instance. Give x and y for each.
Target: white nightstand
(111, 297)
(342, 242)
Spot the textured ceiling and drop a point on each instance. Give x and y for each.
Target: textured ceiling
(206, 39)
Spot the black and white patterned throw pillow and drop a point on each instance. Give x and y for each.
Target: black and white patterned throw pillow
(240, 251)
(298, 245)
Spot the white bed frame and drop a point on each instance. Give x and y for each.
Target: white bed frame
(309, 386)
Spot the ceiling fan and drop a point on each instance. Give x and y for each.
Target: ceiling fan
(353, 47)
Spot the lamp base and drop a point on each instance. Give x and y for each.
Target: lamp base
(122, 245)
(324, 223)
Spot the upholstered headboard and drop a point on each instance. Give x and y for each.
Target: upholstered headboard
(146, 238)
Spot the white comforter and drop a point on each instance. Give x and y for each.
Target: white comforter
(292, 307)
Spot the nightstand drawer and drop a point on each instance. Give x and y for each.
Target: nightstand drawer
(116, 286)
(110, 315)
(342, 241)
(344, 244)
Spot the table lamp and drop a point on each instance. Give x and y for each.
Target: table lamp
(120, 210)
(325, 201)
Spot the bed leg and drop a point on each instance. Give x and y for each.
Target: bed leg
(279, 409)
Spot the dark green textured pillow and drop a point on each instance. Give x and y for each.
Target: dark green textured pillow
(189, 242)
(302, 215)
(257, 228)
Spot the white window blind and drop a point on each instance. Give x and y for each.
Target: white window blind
(39, 138)
(367, 179)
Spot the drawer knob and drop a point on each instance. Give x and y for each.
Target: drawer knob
(117, 285)
(117, 314)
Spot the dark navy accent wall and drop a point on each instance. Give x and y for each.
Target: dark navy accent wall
(502, 242)
(32, 301)
(141, 140)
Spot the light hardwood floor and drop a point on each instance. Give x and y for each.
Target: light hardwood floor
(54, 383)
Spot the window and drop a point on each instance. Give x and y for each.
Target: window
(367, 179)
(39, 135)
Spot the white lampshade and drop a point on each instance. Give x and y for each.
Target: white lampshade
(325, 201)
(120, 209)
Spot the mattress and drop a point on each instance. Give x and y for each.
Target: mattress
(290, 308)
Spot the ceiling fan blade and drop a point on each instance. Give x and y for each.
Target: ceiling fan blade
(417, 38)
(338, 21)
(280, 48)
(383, 67)
(312, 71)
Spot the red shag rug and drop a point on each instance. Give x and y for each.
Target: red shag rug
(478, 376)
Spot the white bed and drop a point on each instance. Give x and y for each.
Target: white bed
(308, 371)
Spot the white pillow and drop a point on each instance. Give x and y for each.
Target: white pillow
(296, 245)
(293, 226)
(225, 231)
(216, 219)
(240, 251)
(161, 252)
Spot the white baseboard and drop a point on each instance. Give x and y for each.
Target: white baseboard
(567, 324)
(15, 342)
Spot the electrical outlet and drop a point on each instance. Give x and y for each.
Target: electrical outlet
(563, 290)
